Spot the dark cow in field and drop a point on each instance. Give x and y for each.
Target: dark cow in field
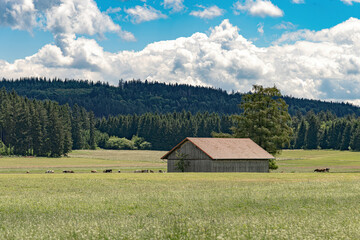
(93, 171)
(322, 170)
(119, 171)
(107, 171)
(160, 171)
(68, 171)
(142, 171)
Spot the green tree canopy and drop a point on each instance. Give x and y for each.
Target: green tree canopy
(265, 119)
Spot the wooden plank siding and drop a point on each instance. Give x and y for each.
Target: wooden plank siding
(240, 166)
(194, 166)
(198, 161)
(222, 166)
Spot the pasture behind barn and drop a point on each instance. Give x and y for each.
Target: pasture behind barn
(83, 161)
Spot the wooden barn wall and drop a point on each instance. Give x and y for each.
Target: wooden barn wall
(240, 166)
(221, 166)
(194, 166)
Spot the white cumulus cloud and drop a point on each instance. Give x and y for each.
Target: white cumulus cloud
(350, 2)
(112, 10)
(208, 12)
(144, 13)
(260, 28)
(81, 17)
(298, 1)
(59, 16)
(285, 26)
(261, 8)
(18, 14)
(175, 5)
(314, 64)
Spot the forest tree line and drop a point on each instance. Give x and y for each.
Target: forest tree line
(164, 131)
(326, 131)
(140, 97)
(45, 128)
(310, 131)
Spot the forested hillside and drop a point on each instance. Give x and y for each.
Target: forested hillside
(42, 128)
(136, 97)
(164, 131)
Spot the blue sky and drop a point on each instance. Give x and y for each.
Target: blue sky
(308, 48)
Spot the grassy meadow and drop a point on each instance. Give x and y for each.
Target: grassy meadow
(295, 204)
(82, 161)
(308, 160)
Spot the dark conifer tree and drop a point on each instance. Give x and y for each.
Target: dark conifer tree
(92, 142)
(324, 139)
(311, 139)
(66, 119)
(56, 133)
(78, 141)
(346, 137)
(355, 139)
(300, 137)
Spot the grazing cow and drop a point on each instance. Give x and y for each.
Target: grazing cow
(322, 170)
(27, 172)
(151, 171)
(160, 171)
(68, 171)
(107, 171)
(93, 171)
(49, 171)
(119, 171)
(144, 171)
(137, 171)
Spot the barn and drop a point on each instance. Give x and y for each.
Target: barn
(218, 155)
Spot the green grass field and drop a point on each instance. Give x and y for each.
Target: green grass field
(308, 160)
(299, 205)
(83, 161)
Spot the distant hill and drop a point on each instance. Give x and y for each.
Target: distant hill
(138, 97)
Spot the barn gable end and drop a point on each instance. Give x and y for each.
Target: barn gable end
(191, 152)
(197, 160)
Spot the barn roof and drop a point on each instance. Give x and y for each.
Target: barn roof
(226, 148)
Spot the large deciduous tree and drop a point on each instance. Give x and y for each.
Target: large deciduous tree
(265, 119)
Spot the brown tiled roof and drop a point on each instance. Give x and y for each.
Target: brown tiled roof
(226, 148)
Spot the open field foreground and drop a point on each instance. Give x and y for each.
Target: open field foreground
(180, 206)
